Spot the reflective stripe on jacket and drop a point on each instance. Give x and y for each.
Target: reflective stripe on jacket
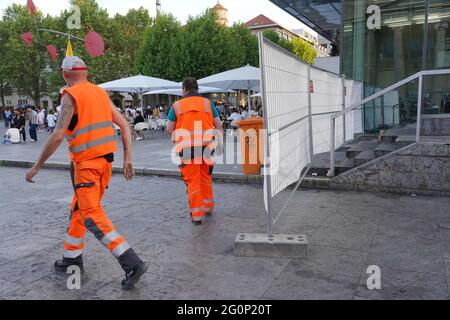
(94, 135)
(195, 123)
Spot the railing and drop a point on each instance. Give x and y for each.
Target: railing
(420, 75)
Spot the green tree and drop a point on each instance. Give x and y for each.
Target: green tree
(26, 65)
(299, 47)
(247, 42)
(304, 50)
(205, 47)
(155, 56)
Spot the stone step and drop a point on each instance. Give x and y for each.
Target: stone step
(404, 141)
(384, 149)
(391, 135)
(362, 146)
(364, 157)
(344, 166)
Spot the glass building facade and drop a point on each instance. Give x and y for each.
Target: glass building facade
(382, 42)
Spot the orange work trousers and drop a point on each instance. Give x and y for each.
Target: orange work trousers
(198, 178)
(90, 180)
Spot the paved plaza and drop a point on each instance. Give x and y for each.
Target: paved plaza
(154, 153)
(407, 237)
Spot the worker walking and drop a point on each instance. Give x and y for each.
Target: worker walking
(86, 119)
(195, 127)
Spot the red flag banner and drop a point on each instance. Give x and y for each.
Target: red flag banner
(52, 51)
(95, 46)
(31, 6)
(28, 38)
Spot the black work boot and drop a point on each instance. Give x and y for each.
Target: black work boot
(62, 265)
(134, 275)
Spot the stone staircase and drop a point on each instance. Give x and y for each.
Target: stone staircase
(363, 149)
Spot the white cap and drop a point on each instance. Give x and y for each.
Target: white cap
(73, 63)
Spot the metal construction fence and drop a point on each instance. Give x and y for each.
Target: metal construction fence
(298, 102)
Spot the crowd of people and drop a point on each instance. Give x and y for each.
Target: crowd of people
(42, 120)
(37, 119)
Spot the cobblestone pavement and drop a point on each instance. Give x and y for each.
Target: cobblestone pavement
(407, 237)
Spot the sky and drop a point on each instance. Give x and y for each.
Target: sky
(238, 10)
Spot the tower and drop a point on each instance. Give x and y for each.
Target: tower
(222, 13)
(158, 8)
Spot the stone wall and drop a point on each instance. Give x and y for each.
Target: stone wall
(422, 168)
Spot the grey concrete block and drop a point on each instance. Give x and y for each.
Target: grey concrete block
(261, 245)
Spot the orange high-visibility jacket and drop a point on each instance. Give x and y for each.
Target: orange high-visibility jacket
(195, 123)
(94, 134)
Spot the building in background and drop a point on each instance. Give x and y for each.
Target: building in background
(158, 8)
(15, 99)
(222, 13)
(382, 42)
(262, 23)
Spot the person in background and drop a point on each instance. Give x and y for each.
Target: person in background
(41, 120)
(129, 117)
(7, 117)
(51, 121)
(156, 113)
(244, 113)
(196, 130)
(19, 122)
(11, 136)
(139, 119)
(234, 118)
(34, 122)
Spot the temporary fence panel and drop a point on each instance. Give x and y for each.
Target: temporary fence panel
(326, 99)
(286, 110)
(354, 119)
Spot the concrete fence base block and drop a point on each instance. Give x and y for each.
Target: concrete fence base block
(279, 246)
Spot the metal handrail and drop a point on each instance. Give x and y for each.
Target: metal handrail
(419, 75)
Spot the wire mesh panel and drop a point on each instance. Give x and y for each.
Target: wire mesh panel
(354, 119)
(326, 99)
(285, 96)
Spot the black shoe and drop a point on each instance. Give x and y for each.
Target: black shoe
(62, 265)
(133, 277)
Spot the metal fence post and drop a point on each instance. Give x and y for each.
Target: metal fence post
(332, 147)
(419, 108)
(267, 160)
(344, 120)
(311, 131)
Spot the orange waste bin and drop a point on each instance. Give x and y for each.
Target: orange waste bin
(252, 144)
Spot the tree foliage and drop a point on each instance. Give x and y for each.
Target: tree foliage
(299, 47)
(30, 69)
(198, 49)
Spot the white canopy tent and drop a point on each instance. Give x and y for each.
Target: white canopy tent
(138, 84)
(245, 78)
(178, 91)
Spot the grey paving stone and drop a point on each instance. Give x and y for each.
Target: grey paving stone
(150, 287)
(24, 245)
(224, 285)
(27, 270)
(6, 288)
(335, 261)
(404, 285)
(301, 282)
(411, 253)
(393, 225)
(342, 238)
(54, 287)
(187, 261)
(182, 263)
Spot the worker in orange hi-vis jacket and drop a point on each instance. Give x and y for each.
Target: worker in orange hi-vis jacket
(195, 127)
(87, 120)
